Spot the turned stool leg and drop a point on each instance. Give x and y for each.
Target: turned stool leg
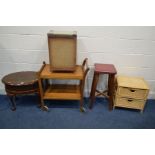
(93, 90)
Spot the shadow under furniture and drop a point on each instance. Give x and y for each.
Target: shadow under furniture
(18, 83)
(103, 69)
(62, 91)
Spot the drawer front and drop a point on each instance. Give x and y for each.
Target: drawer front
(132, 93)
(129, 103)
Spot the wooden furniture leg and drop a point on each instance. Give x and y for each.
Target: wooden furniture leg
(39, 98)
(111, 79)
(82, 109)
(43, 107)
(82, 83)
(81, 100)
(93, 90)
(12, 99)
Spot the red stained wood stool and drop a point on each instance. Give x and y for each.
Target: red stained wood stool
(103, 69)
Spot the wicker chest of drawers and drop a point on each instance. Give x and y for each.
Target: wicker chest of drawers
(131, 92)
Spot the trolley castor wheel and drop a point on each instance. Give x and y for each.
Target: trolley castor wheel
(13, 109)
(44, 108)
(82, 109)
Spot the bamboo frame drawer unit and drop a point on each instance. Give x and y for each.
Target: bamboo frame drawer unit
(131, 92)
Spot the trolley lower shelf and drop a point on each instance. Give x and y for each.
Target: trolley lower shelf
(63, 92)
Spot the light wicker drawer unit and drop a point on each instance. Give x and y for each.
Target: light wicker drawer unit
(129, 103)
(131, 92)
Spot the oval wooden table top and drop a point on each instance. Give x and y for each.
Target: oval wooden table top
(20, 78)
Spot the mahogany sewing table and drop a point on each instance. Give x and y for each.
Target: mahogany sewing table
(25, 82)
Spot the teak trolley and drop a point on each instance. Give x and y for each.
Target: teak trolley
(62, 91)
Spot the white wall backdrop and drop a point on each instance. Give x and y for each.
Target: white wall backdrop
(130, 49)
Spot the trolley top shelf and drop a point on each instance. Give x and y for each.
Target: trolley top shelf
(47, 74)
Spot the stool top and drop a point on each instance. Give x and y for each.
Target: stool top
(20, 78)
(105, 68)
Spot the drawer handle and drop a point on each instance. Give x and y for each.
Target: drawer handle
(130, 100)
(132, 90)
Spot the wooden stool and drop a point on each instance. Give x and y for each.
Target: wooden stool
(103, 69)
(20, 83)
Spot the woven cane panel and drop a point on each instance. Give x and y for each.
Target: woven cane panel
(129, 103)
(132, 87)
(132, 82)
(132, 93)
(62, 53)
